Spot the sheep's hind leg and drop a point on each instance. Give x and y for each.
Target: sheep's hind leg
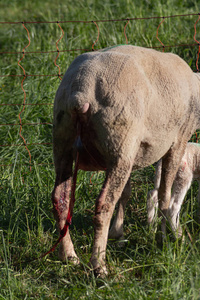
(116, 230)
(63, 159)
(114, 184)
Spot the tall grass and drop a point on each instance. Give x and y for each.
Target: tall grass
(139, 270)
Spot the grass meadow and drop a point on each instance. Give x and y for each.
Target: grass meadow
(139, 270)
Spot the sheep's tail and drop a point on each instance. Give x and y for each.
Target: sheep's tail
(78, 104)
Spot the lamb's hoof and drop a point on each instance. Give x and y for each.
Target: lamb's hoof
(153, 227)
(178, 233)
(180, 236)
(160, 238)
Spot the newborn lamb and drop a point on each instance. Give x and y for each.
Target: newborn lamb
(188, 171)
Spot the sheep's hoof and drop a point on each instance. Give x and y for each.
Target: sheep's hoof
(69, 258)
(116, 236)
(100, 272)
(120, 241)
(72, 259)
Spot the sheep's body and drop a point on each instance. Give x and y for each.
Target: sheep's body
(188, 171)
(134, 106)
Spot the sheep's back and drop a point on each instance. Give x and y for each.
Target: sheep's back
(135, 94)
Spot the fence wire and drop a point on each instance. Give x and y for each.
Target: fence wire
(26, 72)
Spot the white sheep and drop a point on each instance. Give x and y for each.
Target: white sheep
(188, 171)
(133, 106)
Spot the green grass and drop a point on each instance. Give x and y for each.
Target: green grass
(139, 270)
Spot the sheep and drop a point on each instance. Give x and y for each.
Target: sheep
(107, 109)
(188, 171)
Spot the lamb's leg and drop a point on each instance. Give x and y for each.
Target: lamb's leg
(152, 206)
(180, 187)
(157, 177)
(63, 159)
(116, 230)
(115, 181)
(170, 164)
(152, 198)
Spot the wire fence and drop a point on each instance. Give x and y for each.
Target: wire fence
(26, 71)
